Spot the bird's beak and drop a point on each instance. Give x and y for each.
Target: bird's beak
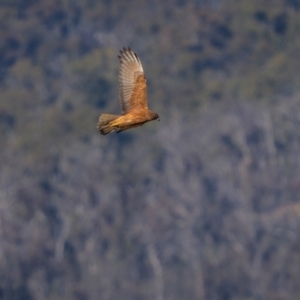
(158, 119)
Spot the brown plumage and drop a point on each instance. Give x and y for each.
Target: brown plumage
(133, 97)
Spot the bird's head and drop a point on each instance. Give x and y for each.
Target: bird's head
(156, 117)
(152, 116)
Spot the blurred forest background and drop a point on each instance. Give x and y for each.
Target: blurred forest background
(202, 205)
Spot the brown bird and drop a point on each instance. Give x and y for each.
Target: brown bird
(133, 97)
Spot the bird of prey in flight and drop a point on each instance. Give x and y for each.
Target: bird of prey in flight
(133, 97)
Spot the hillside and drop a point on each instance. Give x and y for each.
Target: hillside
(201, 205)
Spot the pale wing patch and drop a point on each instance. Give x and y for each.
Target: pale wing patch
(130, 70)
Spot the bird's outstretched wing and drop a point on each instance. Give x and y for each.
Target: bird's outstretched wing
(133, 87)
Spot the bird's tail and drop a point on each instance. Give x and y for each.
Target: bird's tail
(103, 123)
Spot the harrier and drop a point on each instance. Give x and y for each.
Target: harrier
(133, 97)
